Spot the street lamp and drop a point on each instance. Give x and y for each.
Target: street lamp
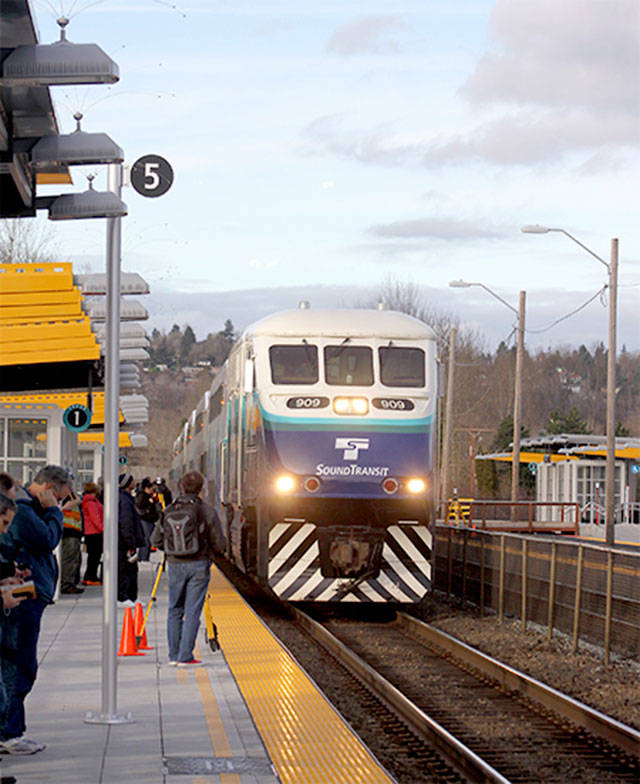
(612, 268)
(517, 394)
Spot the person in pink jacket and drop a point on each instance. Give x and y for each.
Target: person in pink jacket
(93, 514)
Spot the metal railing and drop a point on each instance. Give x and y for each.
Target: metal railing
(526, 516)
(587, 591)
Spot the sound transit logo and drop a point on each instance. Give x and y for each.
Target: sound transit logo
(352, 447)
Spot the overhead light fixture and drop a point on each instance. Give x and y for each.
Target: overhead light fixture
(535, 229)
(90, 204)
(76, 149)
(62, 62)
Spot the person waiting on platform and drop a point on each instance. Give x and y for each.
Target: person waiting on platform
(130, 537)
(149, 511)
(9, 577)
(93, 515)
(188, 573)
(161, 493)
(70, 553)
(33, 535)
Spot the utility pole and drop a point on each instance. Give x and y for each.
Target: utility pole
(517, 408)
(448, 417)
(473, 432)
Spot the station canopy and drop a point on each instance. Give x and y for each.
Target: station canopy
(46, 339)
(26, 113)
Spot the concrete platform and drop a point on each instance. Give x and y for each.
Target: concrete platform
(190, 726)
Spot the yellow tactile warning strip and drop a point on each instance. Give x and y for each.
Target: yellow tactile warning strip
(306, 738)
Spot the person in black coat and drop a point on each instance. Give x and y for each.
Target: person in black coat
(130, 537)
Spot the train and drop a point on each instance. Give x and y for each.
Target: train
(317, 441)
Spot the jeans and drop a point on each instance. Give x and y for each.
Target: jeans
(145, 550)
(19, 663)
(188, 582)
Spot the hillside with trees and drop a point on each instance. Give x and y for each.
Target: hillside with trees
(563, 390)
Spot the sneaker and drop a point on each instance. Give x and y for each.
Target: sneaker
(20, 746)
(191, 663)
(172, 662)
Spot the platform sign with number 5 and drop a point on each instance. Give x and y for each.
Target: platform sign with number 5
(151, 175)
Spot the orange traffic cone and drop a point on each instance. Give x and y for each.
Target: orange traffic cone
(128, 645)
(141, 633)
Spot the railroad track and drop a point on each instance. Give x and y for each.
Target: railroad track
(488, 721)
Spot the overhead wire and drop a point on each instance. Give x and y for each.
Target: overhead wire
(599, 293)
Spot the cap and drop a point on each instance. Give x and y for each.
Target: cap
(124, 480)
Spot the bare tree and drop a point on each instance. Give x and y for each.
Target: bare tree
(24, 239)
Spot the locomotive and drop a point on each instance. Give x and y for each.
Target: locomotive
(317, 443)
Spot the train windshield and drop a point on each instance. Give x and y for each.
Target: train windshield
(348, 365)
(294, 364)
(401, 367)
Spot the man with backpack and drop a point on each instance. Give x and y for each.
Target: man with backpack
(189, 532)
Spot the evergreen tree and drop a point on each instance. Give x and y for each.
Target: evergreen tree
(188, 341)
(570, 422)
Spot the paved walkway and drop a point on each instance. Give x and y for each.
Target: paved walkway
(189, 726)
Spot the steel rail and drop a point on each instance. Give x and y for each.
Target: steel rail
(589, 719)
(466, 761)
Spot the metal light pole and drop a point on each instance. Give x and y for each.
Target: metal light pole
(109, 713)
(517, 392)
(610, 476)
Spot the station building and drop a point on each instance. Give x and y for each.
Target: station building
(50, 360)
(570, 468)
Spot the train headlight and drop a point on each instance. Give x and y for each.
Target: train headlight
(416, 485)
(358, 406)
(285, 483)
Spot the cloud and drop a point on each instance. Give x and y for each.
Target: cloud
(569, 72)
(530, 137)
(574, 53)
(381, 145)
(366, 35)
(435, 228)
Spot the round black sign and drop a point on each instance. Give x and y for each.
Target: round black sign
(76, 418)
(151, 175)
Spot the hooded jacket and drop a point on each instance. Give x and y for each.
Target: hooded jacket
(93, 514)
(33, 535)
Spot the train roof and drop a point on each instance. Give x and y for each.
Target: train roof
(341, 323)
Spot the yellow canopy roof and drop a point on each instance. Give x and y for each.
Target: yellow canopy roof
(62, 400)
(41, 316)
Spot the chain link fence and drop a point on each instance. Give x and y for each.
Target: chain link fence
(589, 592)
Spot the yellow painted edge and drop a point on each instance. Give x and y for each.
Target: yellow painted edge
(219, 739)
(306, 737)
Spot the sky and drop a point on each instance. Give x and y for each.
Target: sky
(320, 148)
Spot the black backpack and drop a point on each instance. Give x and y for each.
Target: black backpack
(184, 527)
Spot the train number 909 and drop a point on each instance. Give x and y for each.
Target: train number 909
(393, 403)
(307, 402)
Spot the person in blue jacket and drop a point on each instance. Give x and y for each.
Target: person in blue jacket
(30, 540)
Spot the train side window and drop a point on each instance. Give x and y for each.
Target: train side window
(294, 364)
(215, 404)
(348, 365)
(401, 367)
